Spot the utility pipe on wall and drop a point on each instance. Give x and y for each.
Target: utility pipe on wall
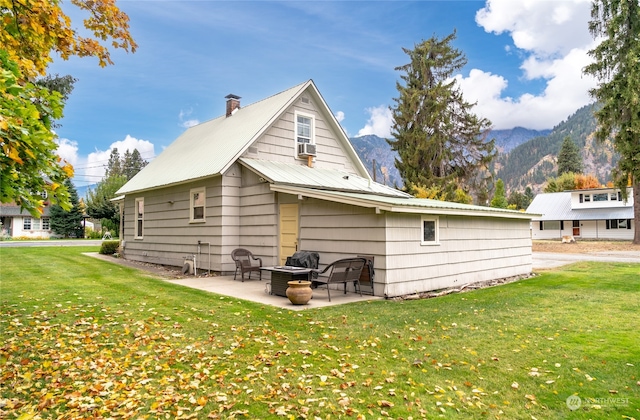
(199, 252)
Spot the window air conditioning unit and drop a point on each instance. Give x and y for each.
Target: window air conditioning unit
(306, 149)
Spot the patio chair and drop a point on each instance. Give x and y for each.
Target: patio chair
(244, 260)
(343, 271)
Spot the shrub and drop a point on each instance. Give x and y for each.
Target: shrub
(93, 234)
(109, 247)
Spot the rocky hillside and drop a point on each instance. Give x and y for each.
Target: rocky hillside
(532, 162)
(525, 157)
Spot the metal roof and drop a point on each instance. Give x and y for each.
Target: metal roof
(14, 210)
(209, 148)
(557, 206)
(326, 179)
(398, 204)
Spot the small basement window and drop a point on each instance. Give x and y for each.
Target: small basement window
(198, 204)
(430, 229)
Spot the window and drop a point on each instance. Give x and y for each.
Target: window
(550, 225)
(35, 224)
(601, 197)
(139, 211)
(26, 223)
(46, 224)
(304, 128)
(613, 196)
(587, 198)
(429, 231)
(581, 198)
(619, 224)
(198, 203)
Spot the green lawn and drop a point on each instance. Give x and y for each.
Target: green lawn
(82, 338)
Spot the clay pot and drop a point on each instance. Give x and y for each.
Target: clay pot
(299, 292)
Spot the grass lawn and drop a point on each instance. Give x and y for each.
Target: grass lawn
(82, 338)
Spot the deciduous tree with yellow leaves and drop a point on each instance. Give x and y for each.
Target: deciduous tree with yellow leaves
(32, 33)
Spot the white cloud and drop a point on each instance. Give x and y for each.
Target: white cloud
(67, 150)
(553, 38)
(541, 27)
(339, 116)
(379, 123)
(91, 169)
(565, 92)
(185, 122)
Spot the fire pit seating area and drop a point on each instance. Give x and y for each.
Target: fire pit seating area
(341, 271)
(246, 263)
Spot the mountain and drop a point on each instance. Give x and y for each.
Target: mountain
(372, 147)
(507, 140)
(532, 162)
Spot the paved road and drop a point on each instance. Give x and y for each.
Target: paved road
(546, 260)
(52, 242)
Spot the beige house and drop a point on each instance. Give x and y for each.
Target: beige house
(280, 175)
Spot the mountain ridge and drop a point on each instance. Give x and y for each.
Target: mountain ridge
(526, 157)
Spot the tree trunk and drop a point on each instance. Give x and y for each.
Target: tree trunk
(636, 210)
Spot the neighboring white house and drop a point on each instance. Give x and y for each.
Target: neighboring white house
(588, 214)
(16, 223)
(280, 175)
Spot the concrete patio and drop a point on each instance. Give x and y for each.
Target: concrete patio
(251, 289)
(257, 291)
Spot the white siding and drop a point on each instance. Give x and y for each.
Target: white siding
(589, 229)
(279, 144)
(258, 218)
(17, 231)
(471, 249)
(340, 231)
(168, 234)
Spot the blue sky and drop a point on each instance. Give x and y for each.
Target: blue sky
(524, 65)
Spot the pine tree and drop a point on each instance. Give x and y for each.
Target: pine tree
(499, 199)
(132, 163)
(99, 204)
(440, 142)
(68, 223)
(569, 158)
(617, 23)
(114, 165)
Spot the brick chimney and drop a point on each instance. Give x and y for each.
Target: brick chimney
(233, 103)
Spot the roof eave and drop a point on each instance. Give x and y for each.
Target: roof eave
(381, 206)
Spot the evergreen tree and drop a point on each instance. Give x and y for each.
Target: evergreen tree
(499, 199)
(569, 158)
(616, 66)
(440, 142)
(68, 223)
(132, 163)
(528, 193)
(114, 165)
(99, 204)
(518, 200)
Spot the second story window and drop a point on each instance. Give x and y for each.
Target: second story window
(304, 128)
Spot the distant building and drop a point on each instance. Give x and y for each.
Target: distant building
(588, 214)
(18, 223)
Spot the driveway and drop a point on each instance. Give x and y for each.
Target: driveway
(548, 260)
